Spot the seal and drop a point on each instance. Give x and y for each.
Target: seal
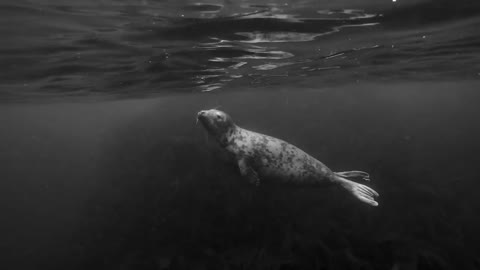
(261, 156)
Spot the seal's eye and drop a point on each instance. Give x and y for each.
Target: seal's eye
(219, 117)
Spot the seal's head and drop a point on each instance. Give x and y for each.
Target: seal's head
(218, 124)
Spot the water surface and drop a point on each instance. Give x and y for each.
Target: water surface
(138, 48)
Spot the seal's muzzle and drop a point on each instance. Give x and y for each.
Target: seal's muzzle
(200, 114)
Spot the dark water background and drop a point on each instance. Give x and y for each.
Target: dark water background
(102, 165)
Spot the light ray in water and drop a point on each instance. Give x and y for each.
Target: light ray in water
(263, 54)
(271, 66)
(264, 37)
(211, 87)
(350, 14)
(272, 37)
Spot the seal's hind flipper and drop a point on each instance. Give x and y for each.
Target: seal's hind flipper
(354, 174)
(361, 192)
(248, 172)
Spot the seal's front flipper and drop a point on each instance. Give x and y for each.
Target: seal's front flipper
(354, 175)
(361, 192)
(248, 172)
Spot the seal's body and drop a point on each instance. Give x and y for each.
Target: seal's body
(260, 156)
(273, 158)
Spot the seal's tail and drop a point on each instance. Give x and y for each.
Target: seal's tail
(361, 192)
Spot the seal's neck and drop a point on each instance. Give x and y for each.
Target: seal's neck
(226, 138)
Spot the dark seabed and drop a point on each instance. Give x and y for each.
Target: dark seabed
(103, 167)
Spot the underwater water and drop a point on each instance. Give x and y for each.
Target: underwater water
(103, 167)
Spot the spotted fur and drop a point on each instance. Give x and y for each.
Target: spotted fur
(267, 156)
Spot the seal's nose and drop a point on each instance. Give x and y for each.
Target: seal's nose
(200, 114)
